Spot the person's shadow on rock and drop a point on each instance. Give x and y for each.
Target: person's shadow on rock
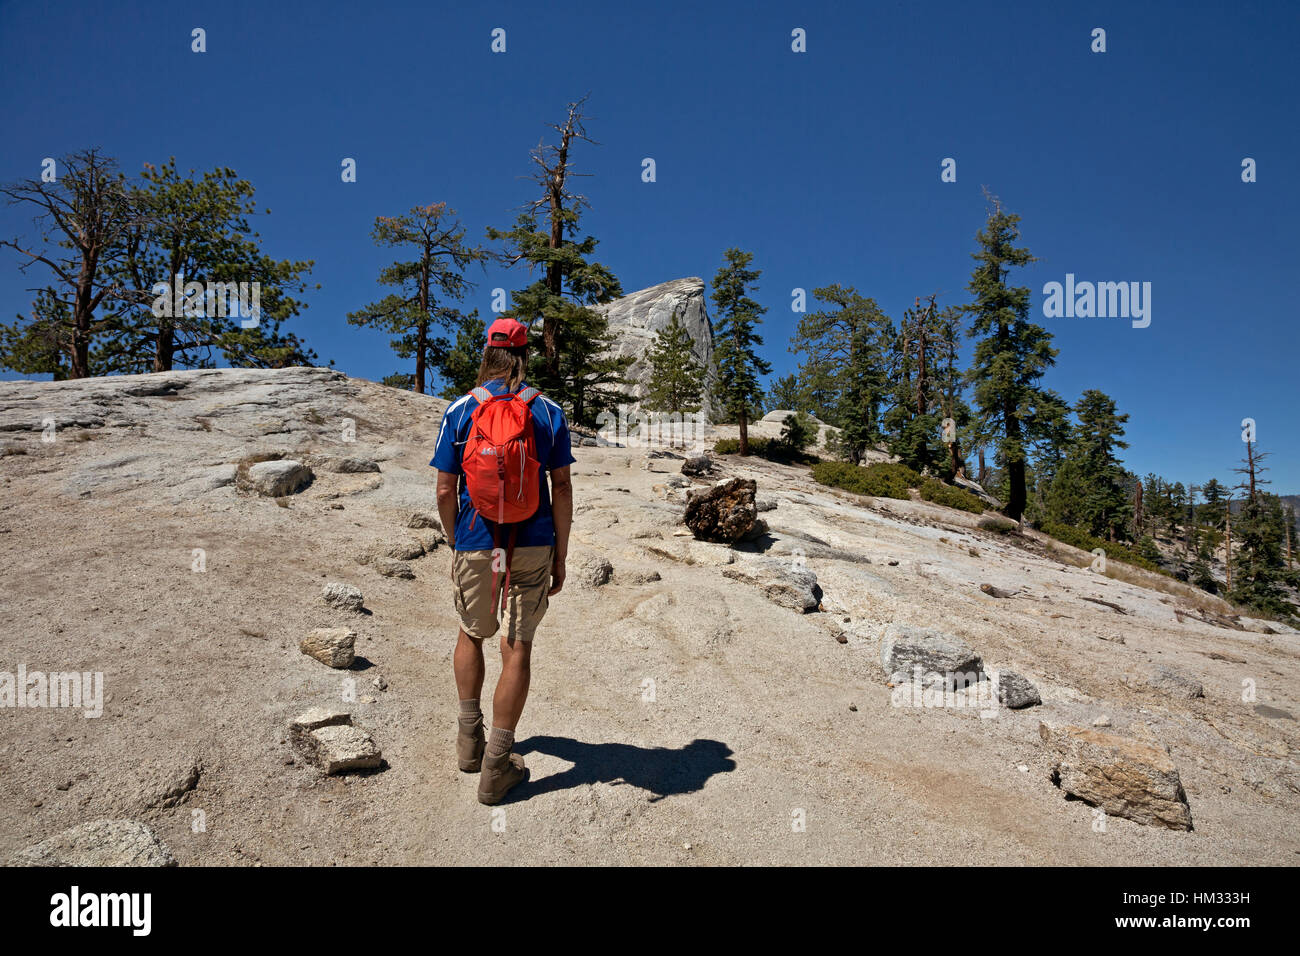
(661, 770)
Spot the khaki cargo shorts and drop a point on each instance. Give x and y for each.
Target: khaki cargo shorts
(530, 579)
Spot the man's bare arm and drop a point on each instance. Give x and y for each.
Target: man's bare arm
(562, 515)
(448, 505)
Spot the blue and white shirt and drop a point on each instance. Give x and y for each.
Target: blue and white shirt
(550, 432)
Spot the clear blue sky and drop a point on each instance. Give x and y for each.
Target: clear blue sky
(1125, 166)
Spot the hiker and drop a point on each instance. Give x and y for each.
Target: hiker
(495, 446)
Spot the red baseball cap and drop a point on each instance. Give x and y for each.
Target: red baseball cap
(507, 333)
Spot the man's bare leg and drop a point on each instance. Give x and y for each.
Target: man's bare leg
(467, 665)
(512, 688)
(501, 768)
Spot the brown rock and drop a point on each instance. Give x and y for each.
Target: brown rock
(724, 513)
(334, 646)
(1124, 777)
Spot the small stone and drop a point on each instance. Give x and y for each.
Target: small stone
(595, 572)
(1102, 721)
(341, 748)
(425, 519)
(275, 479)
(407, 549)
(99, 843)
(1175, 684)
(353, 466)
(316, 717)
(905, 647)
(699, 465)
(332, 646)
(1016, 691)
(345, 597)
(782, 583)
(393, 569)
(380, 683)
(429, 539)
(723, 513)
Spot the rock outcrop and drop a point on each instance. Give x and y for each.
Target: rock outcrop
(637, 318)
(99, 843)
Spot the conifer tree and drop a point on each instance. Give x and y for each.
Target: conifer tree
(738, 363)
(1011, 353)
(199, 229)
(1257, 571)
(573, 364)
(80, 222)
(427, 284)
(845, 371)
(676, 377)
(1098, 435)
(786, 392)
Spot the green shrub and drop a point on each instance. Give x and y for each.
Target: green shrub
(997, 524)
(1147, 548)
(798, 431)
(731, 446)
(1086, 542)
(773, 449)
(950, 497)
(881, 480)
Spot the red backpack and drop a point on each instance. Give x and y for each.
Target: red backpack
(501, 467)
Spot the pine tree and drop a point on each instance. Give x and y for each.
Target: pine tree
(1011, 353)
(738, 363)
(1212, 511)
(1098, 435)
(951, 390)
(81, 220)
(914, 422)
(845, 373)
(676, 376)
(426, 284)
(786, 392)
(457, 363)
(1257, 565)
(198, 229)
(573, 365)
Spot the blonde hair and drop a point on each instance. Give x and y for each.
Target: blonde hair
(504, 363)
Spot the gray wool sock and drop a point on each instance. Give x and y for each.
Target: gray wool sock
(499, 741)
(469, 709)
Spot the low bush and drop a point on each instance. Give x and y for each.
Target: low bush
(880, 480)
(773, 449)
(1086, 542)
(950, 497)
(997, 524)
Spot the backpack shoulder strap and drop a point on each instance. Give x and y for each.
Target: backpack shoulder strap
(481, 393)
(526, 395)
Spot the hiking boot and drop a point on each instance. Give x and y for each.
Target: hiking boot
(500, 773)
(469, 743)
